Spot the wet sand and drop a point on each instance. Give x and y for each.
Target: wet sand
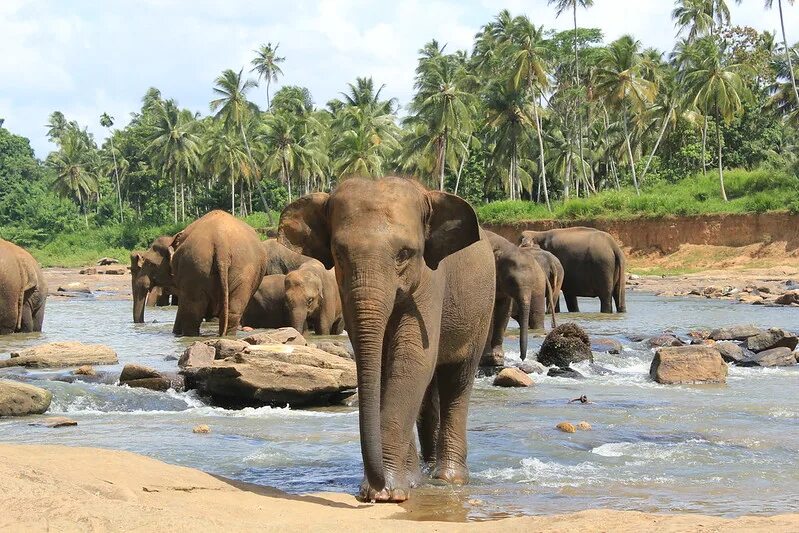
(89, 489)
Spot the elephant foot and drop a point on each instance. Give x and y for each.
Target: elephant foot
(386, 495)
(452, 473)
(496, 357)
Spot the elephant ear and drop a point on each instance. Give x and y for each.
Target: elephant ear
(451, 225)
(136, 262)
(304, 227)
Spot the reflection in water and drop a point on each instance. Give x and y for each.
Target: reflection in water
(726, 450)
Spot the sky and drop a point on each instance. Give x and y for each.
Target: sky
(86, 57)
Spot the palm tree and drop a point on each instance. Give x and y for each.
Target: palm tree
(716, 88)
(75, 167)
(267, 65)
(700, 17)
(107, 121)
(281, 138)
(791, 75)
(57, 126)
(226, 159)
(623, 86)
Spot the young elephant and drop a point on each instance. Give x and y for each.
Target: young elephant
(312, 299)
(23, 291)
(553, 270)
(281, 260)
(520, 283)
(267, 307)
(149, 271)
(592, 261)
(417, 289)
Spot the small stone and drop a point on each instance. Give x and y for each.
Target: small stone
(512, 377)
(606, 345)
(664, 340)
(89, 271)
(201, 429)
(55, 422)
(734, 333)
(246, 328)
(85, 370)
(532, 367)
(566, 427)
(583, 426)
(773, 338)
(75, 286)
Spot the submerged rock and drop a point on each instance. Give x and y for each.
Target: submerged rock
(583, 426)
(688, 364)
(557, 372)
(85, 370)
(566, 427)
(564, 345)
(606, 345)
(512, 377)
(55, 422)
(202, 429)
(62, 354)
(734, 333)
(772, 338)
(20, 399)
(790, 297)
(532, 367)
(780, 356)
(277, 336)
(143, 377)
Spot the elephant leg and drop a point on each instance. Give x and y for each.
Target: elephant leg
(454, 388)
(190, 315)
(620, 307)
(606, 303)
(237, 303)
(338, 327)
(38, 318)
(537, 311)
(571, 303)
(557, 302)
(26, 324)
(494, 354)
(427, 424)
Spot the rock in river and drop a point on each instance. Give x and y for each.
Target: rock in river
(277, 336)
(688, 364)
(62, 354)
(664, 340)
(275, 374)
(566, 344)
(780, 356)
(197, 354)
(772, 338)
(19, 399)
(732, 353)
(606, 345)
(734, 333)
(512, 377)
(143, 377)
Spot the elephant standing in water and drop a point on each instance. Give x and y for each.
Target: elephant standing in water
(267, 307)
(312, 299)
(417, 291)
(592, 261)
(552, 268)
(149, 272)
(23, 290)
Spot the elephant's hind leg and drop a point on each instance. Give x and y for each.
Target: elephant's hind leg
(605, 304)
(571, 303)
(191, 312)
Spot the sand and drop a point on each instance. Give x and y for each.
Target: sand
(58, 488)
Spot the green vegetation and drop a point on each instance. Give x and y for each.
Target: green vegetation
(531, 123)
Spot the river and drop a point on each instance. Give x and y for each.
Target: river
(721, 450)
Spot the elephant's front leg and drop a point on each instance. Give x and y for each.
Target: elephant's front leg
(428, 423)
(494, 354)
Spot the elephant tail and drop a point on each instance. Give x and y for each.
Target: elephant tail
(223, 279)
(550, 296)
(620, 288)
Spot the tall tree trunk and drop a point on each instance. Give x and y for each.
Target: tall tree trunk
(232, 196)
(568, 176)
(268, 103)
(788, 53)
(657, 144)
(627, 136)
(718, 142)
(541, 154)
(460, 169)
(704, 145)
(442, 160)
(175, 197)
(182, 198)
(116, 175)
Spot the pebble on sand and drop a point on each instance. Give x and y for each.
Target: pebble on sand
(566, 427)
(202, 428)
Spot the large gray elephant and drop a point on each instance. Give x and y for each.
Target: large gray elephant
(23, 290)
(282, 260)
(593, 264)
(417, 290)
(312, 299)
(522, 290)
(552, 268)
(151, 277)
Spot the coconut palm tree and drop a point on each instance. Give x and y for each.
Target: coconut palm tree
(717, 89)
(56, 126)
(700, 17)
(267, 65)
(107, 121)
(232, 106)
(75, 165)
(226, 159)
(281, 136)
(791, 74)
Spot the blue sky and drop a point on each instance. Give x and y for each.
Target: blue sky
(85, 57)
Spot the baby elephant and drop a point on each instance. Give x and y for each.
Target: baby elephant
(267, 307)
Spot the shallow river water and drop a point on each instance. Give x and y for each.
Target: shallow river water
(721, 450)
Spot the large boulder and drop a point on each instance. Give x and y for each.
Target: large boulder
(197, 354)
(139, 376)
(227, 347)
(512, 377)
(606, 345)
(664, 340)
(277, 375)
(278, 336)
(62, 354)
(564, 345)
(19, 399)
(780, 356)
(688, 364)
(734, 333)
(772, 338)
(733, 353)
(789, 298)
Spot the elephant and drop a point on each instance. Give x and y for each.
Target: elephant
(417, 289)
(552, 268)
(267, 307)
(23, 291)
(161, 297)
(593, 264)
(280, 259)
(312, 298)
(150, 271)
(521, 286)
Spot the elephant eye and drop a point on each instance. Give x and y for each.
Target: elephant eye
(403, 256)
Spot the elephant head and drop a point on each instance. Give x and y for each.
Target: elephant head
(149, 269)
(382, 236)
(531, 239)
(303, 296)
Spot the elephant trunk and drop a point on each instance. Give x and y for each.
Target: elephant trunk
(524, 321)
(140, 293)
(367, 316)
(298, 314)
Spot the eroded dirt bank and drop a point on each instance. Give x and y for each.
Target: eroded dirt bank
(58, 488)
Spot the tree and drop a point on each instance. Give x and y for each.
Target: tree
(267, 65)
(226, 159)
(75, 166)
(791, 74)
(107, 121)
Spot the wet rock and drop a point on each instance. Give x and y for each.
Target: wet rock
(772, 338)
(790, 297)
(276, 375)
(75, 286)
(105, 261)
(557, 372)
(197, 354)
(85, 370)
(19, 399)
(600, 370)
(88, 271)
(583, 426)
(606, 345)
(566, 344)
(512, 377)
(143, 377)
(780, 356)
(732, 353)
(55, 422)
(688, 364)
(750, 298)
(62, 354)
(278, 336)
(532, 367)
(664, 340)
(227, 347)
(734, 333)
(566, 427)
(202, 429)
(698, 335)
(337, 348)
(635, 337)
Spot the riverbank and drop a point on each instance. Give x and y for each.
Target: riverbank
(63, 488)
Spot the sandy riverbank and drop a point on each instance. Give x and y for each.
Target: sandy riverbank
(58, 488)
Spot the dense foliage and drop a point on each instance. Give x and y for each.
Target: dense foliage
(541, 123)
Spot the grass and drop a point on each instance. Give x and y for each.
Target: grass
(756, 191)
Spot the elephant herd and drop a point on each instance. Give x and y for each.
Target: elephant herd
(424, 291)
